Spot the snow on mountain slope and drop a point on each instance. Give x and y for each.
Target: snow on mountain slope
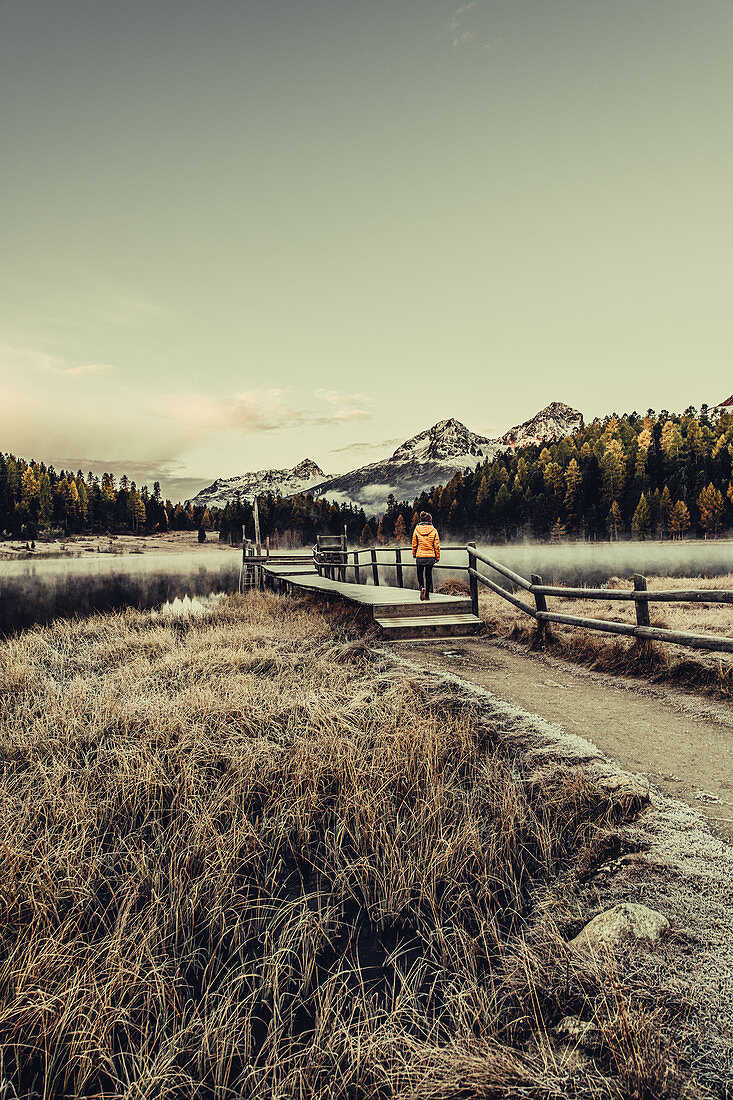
(286, 483)
(431, 457)
(436, 455)
(554, 422)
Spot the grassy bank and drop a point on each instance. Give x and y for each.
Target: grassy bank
(241, 856)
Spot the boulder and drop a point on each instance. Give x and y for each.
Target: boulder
(623, 922)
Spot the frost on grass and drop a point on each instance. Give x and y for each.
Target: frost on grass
(244, 857)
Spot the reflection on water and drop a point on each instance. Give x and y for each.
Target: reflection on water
(36, 592)
(186, 608)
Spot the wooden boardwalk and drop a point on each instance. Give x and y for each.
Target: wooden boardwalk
(398, 612)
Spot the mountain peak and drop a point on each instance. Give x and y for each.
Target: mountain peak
(307, 469)
(555, 421)
(446, 439)
(301, 479)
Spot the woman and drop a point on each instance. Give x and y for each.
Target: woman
(425, 551)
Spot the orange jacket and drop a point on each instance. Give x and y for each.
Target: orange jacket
(425, 542)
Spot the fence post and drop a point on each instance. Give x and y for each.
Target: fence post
(472, 582)
(375, 567)
(398, 563)
(642, 606)
(357, 568)
(540, 602)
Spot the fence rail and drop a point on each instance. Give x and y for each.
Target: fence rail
(336, 563)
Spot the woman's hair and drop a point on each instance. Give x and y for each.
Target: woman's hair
(425, 517)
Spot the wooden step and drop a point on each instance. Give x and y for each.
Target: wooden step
(430, 608)
(432, 626)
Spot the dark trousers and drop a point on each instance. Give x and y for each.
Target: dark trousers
(425, 573)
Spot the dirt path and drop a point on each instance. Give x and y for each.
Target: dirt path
(682, 743)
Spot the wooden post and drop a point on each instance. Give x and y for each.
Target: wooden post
(357, 568)
(257, 528)
(472, 582)
(398, 563)
(267, 545)
(540, 602)
(375, 567)
(642, 606)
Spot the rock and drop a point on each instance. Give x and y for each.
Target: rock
(625, 791)
(625, 921)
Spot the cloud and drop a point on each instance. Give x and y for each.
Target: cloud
(456, 26)
(50, 407)
(381, 447)
(88, 368)
(347, 406)
(25, 358)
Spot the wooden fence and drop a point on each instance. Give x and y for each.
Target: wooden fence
(641, 595)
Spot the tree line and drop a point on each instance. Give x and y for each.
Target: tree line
(37, 501)
(659, 475)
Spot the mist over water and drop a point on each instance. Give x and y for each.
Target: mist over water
(579, 563)
(593, 563)
(38, 591)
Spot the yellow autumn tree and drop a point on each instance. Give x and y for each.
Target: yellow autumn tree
(712, 506)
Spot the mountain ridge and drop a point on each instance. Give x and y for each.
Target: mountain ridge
(432, 457)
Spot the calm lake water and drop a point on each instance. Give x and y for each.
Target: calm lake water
(37, 590)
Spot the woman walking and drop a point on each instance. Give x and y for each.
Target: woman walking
(425, 551)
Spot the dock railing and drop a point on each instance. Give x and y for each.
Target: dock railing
(366, 563)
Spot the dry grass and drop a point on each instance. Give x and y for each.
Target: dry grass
(239, 857)
(615, 654)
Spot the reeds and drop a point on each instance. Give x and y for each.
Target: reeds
(241, 857)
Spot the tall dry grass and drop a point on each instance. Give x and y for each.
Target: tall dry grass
(240, 857)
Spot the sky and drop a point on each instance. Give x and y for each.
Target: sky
(236, 233)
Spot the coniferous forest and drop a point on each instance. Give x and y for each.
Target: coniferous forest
(654, 476)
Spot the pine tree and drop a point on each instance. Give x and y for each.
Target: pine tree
(45, 500)
(665, 508)
(613, 522)
(558, 531)
(367, 536)
(642, 519)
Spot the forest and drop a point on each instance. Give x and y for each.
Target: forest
(624, 476)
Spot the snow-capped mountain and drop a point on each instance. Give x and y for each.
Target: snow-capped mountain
(436, 455)
(554, 422)
(430, 458)
(286, 483)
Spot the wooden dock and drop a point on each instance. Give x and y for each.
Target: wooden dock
(398, 612)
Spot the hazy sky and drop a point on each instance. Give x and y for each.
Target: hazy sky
(239, 232)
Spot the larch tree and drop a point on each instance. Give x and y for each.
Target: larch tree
(400, 530)
(679, 520)
(712, 506)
